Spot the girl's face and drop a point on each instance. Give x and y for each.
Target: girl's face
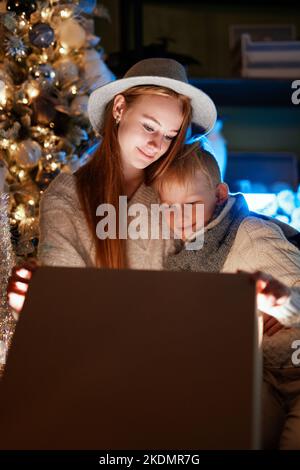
(147, 128)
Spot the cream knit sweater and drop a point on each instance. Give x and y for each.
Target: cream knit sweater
(65, 240)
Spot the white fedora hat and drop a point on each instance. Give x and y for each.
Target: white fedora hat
(160, 72)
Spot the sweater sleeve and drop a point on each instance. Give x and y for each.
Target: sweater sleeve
(59, 243)
(269, 251)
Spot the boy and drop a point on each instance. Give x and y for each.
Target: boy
(236, 239)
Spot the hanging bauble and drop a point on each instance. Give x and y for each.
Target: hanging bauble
(22, 6)
(71, 34)
(44, 74)
(41, 35)
(88, 6)
(79, 105)
(15, 47)
(10, 21)
(66, 71)
(27, 153)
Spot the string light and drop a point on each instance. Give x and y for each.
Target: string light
(63, 50)
(20, 213)
(65, 13)
(44, 57)
(5, 144)
(22, 24)
(45, 13)
(2, 93)
(73, 90)
(32, 90)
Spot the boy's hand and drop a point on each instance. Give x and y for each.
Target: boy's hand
(271, 295)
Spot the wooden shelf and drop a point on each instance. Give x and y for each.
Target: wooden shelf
(247, 92)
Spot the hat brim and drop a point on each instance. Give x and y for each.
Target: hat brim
(204, 112)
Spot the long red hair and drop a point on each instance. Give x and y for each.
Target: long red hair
(101, 179)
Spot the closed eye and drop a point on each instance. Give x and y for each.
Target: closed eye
(148, 128)
(168, 137)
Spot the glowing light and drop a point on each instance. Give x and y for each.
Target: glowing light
(13, 147)
(32, 90)
(5, 143)
(42, 130)
(22, 24)
(2, 93)
(21, 286)
(73, 90)
(53, 166)
(259, 202)
(16, 301)
(25, 100)
(24, 273)
(44, 57)
(65, 13)
(20, 212)
(63, 50)
(45, 13)
(21, 174)
(31, 202)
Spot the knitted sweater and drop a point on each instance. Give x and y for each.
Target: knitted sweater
(65, 238)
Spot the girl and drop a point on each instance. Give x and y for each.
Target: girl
(143, 120)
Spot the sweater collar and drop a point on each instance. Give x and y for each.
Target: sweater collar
(215, 221)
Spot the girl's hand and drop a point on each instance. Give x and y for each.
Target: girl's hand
(18, 285)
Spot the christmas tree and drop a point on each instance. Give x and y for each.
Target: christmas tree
(7, 260)
(50, 61)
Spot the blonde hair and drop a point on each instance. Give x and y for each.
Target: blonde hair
(101, 179)
(184, 168)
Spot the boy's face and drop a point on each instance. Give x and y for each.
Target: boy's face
(196, 191)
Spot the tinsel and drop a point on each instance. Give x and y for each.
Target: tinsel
(7, 260)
